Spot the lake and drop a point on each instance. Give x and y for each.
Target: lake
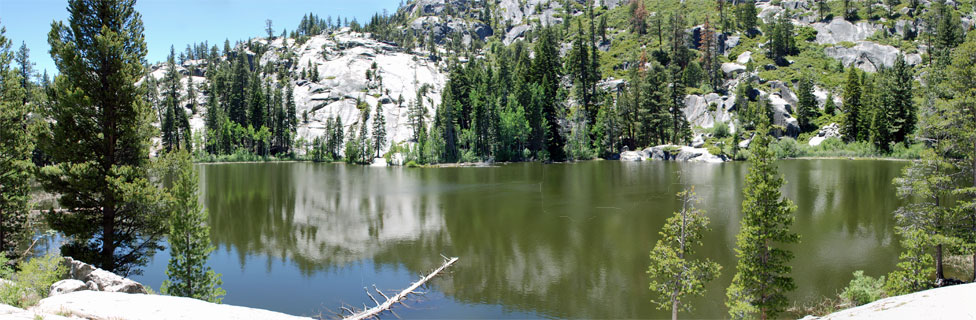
(534, 240)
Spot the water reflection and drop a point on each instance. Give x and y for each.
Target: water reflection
(564, 240)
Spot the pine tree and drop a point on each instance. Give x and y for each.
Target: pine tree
(680, 129)
(762, 276)
(782, 42)
(745, 14)
(545, 70)
(290, 108)
(959, 124)
(379, 129)
(257, 104)
(900, 87)
(116, 221)
(829, 106)
(883, 111)
(189, 237)
(26, 72)
(191, 94)
(17, 145)
(914, 265)
(926, 186)
(674, 274)
(709, 49)
(852, 106)
(807, 109)
(823, 8)
(240, 77)
(171, 104)
(363, 140)
(850, 12)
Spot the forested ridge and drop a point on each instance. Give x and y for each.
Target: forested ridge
(570, 80)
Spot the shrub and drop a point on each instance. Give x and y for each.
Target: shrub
(785, 148)
(33, 281)
(863, 289)
(720, 130)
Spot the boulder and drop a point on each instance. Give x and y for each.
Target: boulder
(744, 144)
(699, 141)
(482, 30)
(378, 162)
(631, 156)
(67, 286)
(782, 116)
(515, 33)
(100, 279)
(107, 281)
(829, 131)
(705, 111)
(732, 69)
(869, 56)
(744, 58)
(840, 30)
(784, 92)
(117, 305)
(731, 42)
(684, 153)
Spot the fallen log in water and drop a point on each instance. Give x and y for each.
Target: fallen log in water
(386, 305)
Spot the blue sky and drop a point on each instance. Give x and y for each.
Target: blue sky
(182, 22)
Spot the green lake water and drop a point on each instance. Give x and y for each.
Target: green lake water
(551, 241)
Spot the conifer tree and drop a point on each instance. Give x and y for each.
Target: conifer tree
(745, 14)
(379, 129)
(16, 144)
(116, 220)
(852, 106)
(762, 279)
(240, 79)
(189, 237)
(829, 106)
(26, 72)
(171, 104)
(900, 91)
(674, 273)
(807, 109)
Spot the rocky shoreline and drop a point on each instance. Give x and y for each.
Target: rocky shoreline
(92, 293)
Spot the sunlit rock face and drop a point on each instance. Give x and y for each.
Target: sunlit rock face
(342, 59)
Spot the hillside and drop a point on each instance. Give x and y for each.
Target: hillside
(788, 60)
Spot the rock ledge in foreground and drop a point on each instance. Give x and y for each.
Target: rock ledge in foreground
(953, 302)
(118, 305)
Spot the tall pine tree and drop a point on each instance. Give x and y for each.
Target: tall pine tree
(17, 145)
(762, 279)
(115, 221)
(189, 237)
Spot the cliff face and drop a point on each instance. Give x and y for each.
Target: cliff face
(342, 59)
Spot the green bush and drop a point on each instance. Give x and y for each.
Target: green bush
(720, 130)
(33, 282)
(863, 289)
(785, 148)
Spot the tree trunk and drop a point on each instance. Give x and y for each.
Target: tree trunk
(674, 309)
(939, 274)
(108, 239)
